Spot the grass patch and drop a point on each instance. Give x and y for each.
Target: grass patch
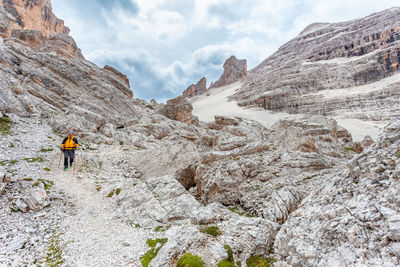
(47, 183)
(259, 261)
(161, 228)
(54, 253)
(14, 210)
(28, 179)
(59, 134)
(155, 246)
(348, 149)
(46, 149)
(189, 260)
(121, 143)
(46, 169)
(117, 191)
(12, 145)
(98, 188)
(8, 162)
(235, 209)
(397, 154)
(212, 230)
(5, 125)
(32, 160)
(111, 194)
(228, 262)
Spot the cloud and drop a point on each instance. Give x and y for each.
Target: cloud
(164, 46)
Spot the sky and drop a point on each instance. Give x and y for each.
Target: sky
(163, 46)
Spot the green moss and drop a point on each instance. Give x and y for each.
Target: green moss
(46, 149)
(28, 179)
(189, 260)
(397, 154)
(98, 188)
(137, 225)
(46, 169)
(213, 230)
(54, 254)
(111, 194)
(152, 253)
(31, 160)
(259, 261)
(121, 143)
(5, 125)
(117, 191)
(348, 149)
(134, 184)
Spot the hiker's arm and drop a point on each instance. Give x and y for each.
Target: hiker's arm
(76, 142)
(63, 142)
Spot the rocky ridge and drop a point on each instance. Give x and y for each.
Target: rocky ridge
(341, 68)
(199, 88)
(234, 70)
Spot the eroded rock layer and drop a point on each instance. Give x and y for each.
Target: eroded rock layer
(331, 68)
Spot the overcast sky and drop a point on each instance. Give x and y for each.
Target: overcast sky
(164, 46)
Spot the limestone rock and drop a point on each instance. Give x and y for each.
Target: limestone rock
(348, 76)
(352, 226)
(119, 74)
(199, 88)
(179, 109)
(234, 70)
(37, 199)
(3, 182)
(32, 15)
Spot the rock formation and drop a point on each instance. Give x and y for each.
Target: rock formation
(179, 109)
(356, 68)
(199, 88)
(31, 15)
(234, 70)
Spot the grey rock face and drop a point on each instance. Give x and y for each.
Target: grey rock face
(354, 70)
(355, 212)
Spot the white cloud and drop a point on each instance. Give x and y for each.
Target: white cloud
(163, 46)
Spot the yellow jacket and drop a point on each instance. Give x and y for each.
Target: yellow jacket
(69, 143)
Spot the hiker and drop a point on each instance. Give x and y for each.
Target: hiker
(68, 146)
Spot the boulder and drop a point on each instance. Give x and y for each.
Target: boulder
(179, 109)
(36, 200)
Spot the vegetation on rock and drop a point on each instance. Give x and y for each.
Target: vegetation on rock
(152, 253)
(189, 260)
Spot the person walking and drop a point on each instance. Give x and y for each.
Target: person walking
(68, 146)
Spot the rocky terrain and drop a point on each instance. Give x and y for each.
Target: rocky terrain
(199, 88)
(348, 69)
(154, 186)
(234, 70)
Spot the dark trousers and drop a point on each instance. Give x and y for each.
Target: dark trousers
(68, 154)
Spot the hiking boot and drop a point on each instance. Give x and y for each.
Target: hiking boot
(70, 165)
(66, 168)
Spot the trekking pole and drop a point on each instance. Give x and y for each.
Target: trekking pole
(59, 162)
